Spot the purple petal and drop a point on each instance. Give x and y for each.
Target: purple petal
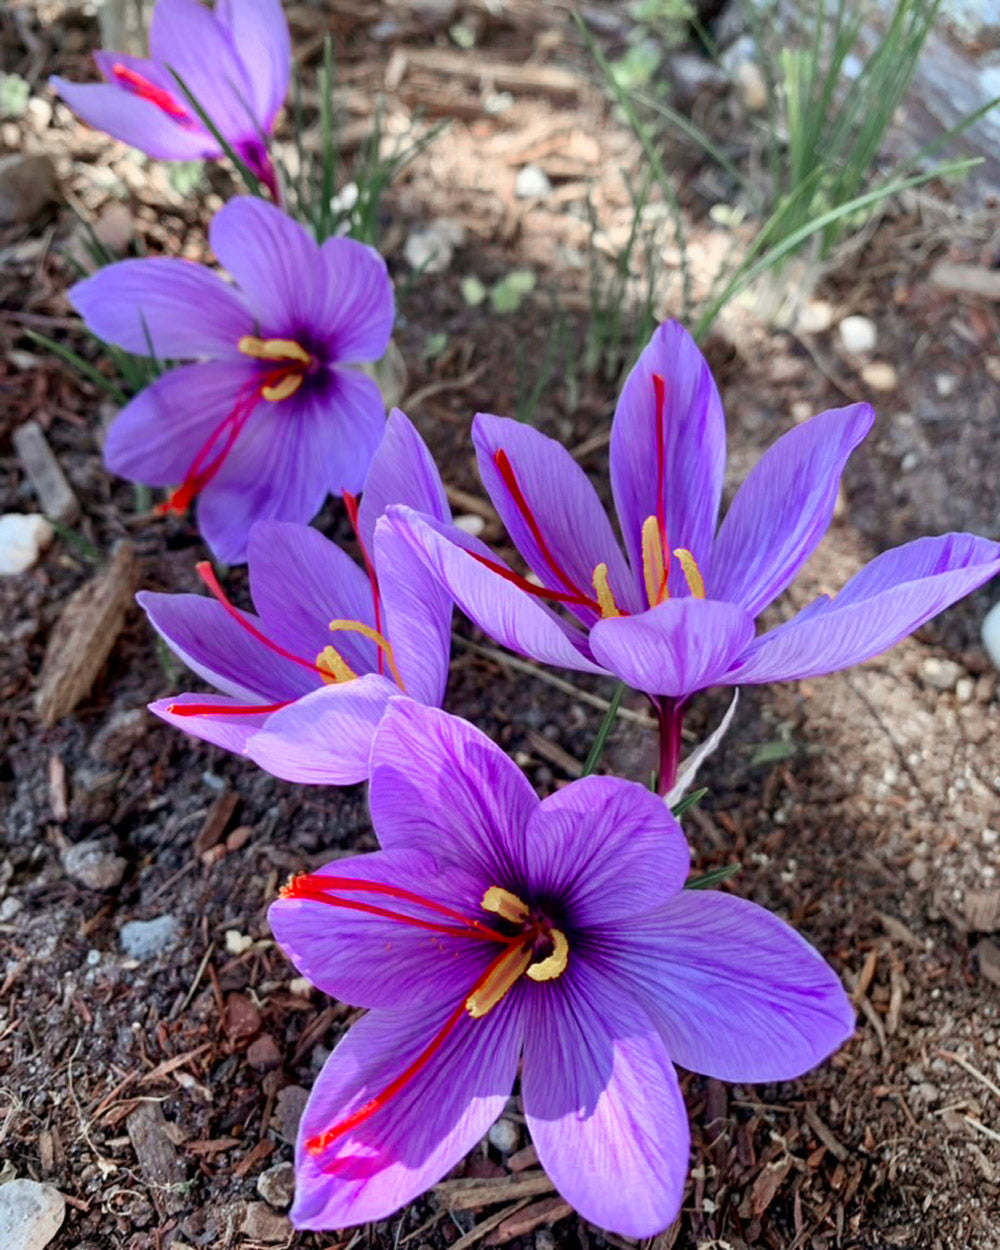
(607, 849)
(183, 310)
(203, 634)
(229, 731)
(273, 259)
(890, 598)
(692, 449)
(602, 1102)
(513, 617)
(676, 648)
(354, 307)
(424, 1130)
(324, 738)
(352, 418)
(137, 122)
(563, 505)
(156, 437)
(402, 471)
(737, 994)
(440, 785)
(373, 961)
(260, 36)
(301, 581)
(784, 508)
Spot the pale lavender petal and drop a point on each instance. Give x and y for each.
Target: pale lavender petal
(891, 597)
(180, 309)
(783, 509)
(301, 581)
(438, 784)
(607, 849)
(676, 648)
(139, 123)
(324, 738)
(602, 1102)
(351, 418)
(260, 36)
(354, 307)
(203, 634)
(370, 960)
(403, 472)
(510, 615)
(562, 504)
(736, 992)
(227, 730)
(156, 437)
(425, 1129)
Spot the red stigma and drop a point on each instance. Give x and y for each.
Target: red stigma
(139, 86)
(659, 390)
(224, 709)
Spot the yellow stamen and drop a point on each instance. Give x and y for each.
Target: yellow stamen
(506, 905)
(553, 965)
(356, 627)
(334, 669)
(284, 387)
(692, 574)
(653, 567)
(273, 349)
(603, 592)
(505, 973)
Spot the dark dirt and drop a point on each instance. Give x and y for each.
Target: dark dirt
(153, 1092)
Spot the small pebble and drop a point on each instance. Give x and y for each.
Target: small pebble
(236, 942)
(965, 689)
(816, 317)
(288, 1108)
(142, 939)
(430, 249)
(946, 384)
(505, 1136)
(880, 375)
(858, 335)
(991, 634)
(941, 674)
(30, 1214)
(532, 183)
(469, 523)
(751, 86)
(28, 185)
(93, 865)
(277, 1185)
(9, 908)
(23, 538)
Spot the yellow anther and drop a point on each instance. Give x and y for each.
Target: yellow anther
(334, 669)
(553, 965)
(357, 627)
(602, 591)
(273, 349)
(506, 905)
(284, 387)
(692, 574)
(654, 571)
(504, 974)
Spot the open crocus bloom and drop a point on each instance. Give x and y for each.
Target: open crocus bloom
(235, 62)
(267, 422)
(306, 682)
(675, 613)
(492, 926)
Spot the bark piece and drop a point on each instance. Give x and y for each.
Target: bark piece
(159, 1162)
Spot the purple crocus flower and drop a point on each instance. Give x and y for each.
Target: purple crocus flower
(300, 700)
(235, 62)
(675, 614)
(492, 926)
(267, 422)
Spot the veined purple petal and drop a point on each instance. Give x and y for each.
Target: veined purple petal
(137, 122)
(156, 437)
(183, 310)
(230, 731)
(370, 960)
(513, 617)
(891, 597)
(203, 634)
(354, 307)
(676, 648)
(260, 36)
(403, 472)
(301, 581)
(602, 1102)
(737, 994)
(691, 451)
(440, 785)
(568, 533)
(324, 738)
(784, 508)
(607, 849)
(351, 415)
(424, 1130)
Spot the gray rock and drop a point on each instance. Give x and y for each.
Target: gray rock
(532, 183)
(505, 1136)
(93, 865)
(288, 1108)
(277, 1185)
(261, 1224)
(27, 187)
(431, 249)
(142, 939)
(991, 634)
(30, 1214)
(119, 735)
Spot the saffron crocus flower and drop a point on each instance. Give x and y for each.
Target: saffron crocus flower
(676, 613)
(298, 699)
(235, 62)
(492, 926)
(267, 422)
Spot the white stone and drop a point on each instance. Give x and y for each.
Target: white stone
(946, 385)
(941, 674)
(816, 317)
(30, 1214)
(880, 375)
(751, 86)
(469, 523)
(858, 335)
(141, 939)
(505, 1136)
(532, 183)
(430, 249)
(991, 634)
(23, 538)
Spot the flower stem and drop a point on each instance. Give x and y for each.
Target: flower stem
(670, 717)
